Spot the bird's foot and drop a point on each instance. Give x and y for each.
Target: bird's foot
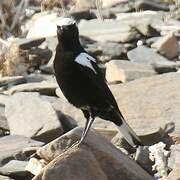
(76, 144)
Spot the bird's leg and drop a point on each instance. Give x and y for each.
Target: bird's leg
(86, 129)
(88, 124)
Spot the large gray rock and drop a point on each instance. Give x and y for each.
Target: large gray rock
(47, 88)
(147, 55)
(110, 163)
(174, 159)
(12, 147)
(77, 164)
(123, 71)
(150, 5)
(39, 21)
(136, 19)
(31, 116)
(150, 104)
(167, 45)
(4, 127)
(113, 50)
(4, 178)
(113, 30)
(16, 169)
(9, 81)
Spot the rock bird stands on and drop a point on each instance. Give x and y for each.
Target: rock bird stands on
(83, 83)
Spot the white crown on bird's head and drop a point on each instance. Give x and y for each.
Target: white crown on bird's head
(66, 21)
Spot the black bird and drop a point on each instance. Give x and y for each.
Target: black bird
(83, 83)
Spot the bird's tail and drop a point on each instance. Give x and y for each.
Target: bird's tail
(128, 133)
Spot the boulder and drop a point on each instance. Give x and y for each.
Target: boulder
(152, 18)
(79, 164)
(174, 174)
(12, 147)
(142, 5)
(108, 30)
(31, 116)
(112, 3)
(123, 71)
(146, 55)
(167, 45)
(112, 50)
(4, 127)
(9, 81)
(151, 104)
(43, 20)
(110, 163)
(174, 159)
(46, 88)
(4, 178)
(16, 170)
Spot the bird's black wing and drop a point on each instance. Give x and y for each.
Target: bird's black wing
(96, 78)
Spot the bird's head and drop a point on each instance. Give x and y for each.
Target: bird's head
(67, 32)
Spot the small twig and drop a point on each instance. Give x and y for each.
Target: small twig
(65, 13)
(16, 17)
(99, 9)
(3, 22)
(7, 44)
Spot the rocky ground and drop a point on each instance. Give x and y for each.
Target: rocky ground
(138, 42)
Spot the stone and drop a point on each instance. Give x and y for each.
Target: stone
(112, 50)
(123, 71)
(50, 5)
(39, 21)
(31, 116)
(174, 159)
(112, 162)
(146, 29)
(142, 5)
(14, 61)
(4, 127)
(166, 68)
(3, 99)
(142, 158)
(78, 165)
(15, 168)
(142, 18)
(152, 40)
(46, 88)
(35, 77)
(85, 4)
(50, 43)
(12, 147)
(146, 55)
(150, 104)
(112, 3)
(159, 155)
(25, 43)
(4, 178)
(174, 174)
(9, 81)
(83, 14)
(38, 56)
(35, 166)
(108, 30)
(168, 46)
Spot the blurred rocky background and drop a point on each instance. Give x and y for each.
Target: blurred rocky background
(138, 42)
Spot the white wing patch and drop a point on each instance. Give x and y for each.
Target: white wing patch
(85, 60)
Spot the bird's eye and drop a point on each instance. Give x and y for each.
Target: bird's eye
(60, 28)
